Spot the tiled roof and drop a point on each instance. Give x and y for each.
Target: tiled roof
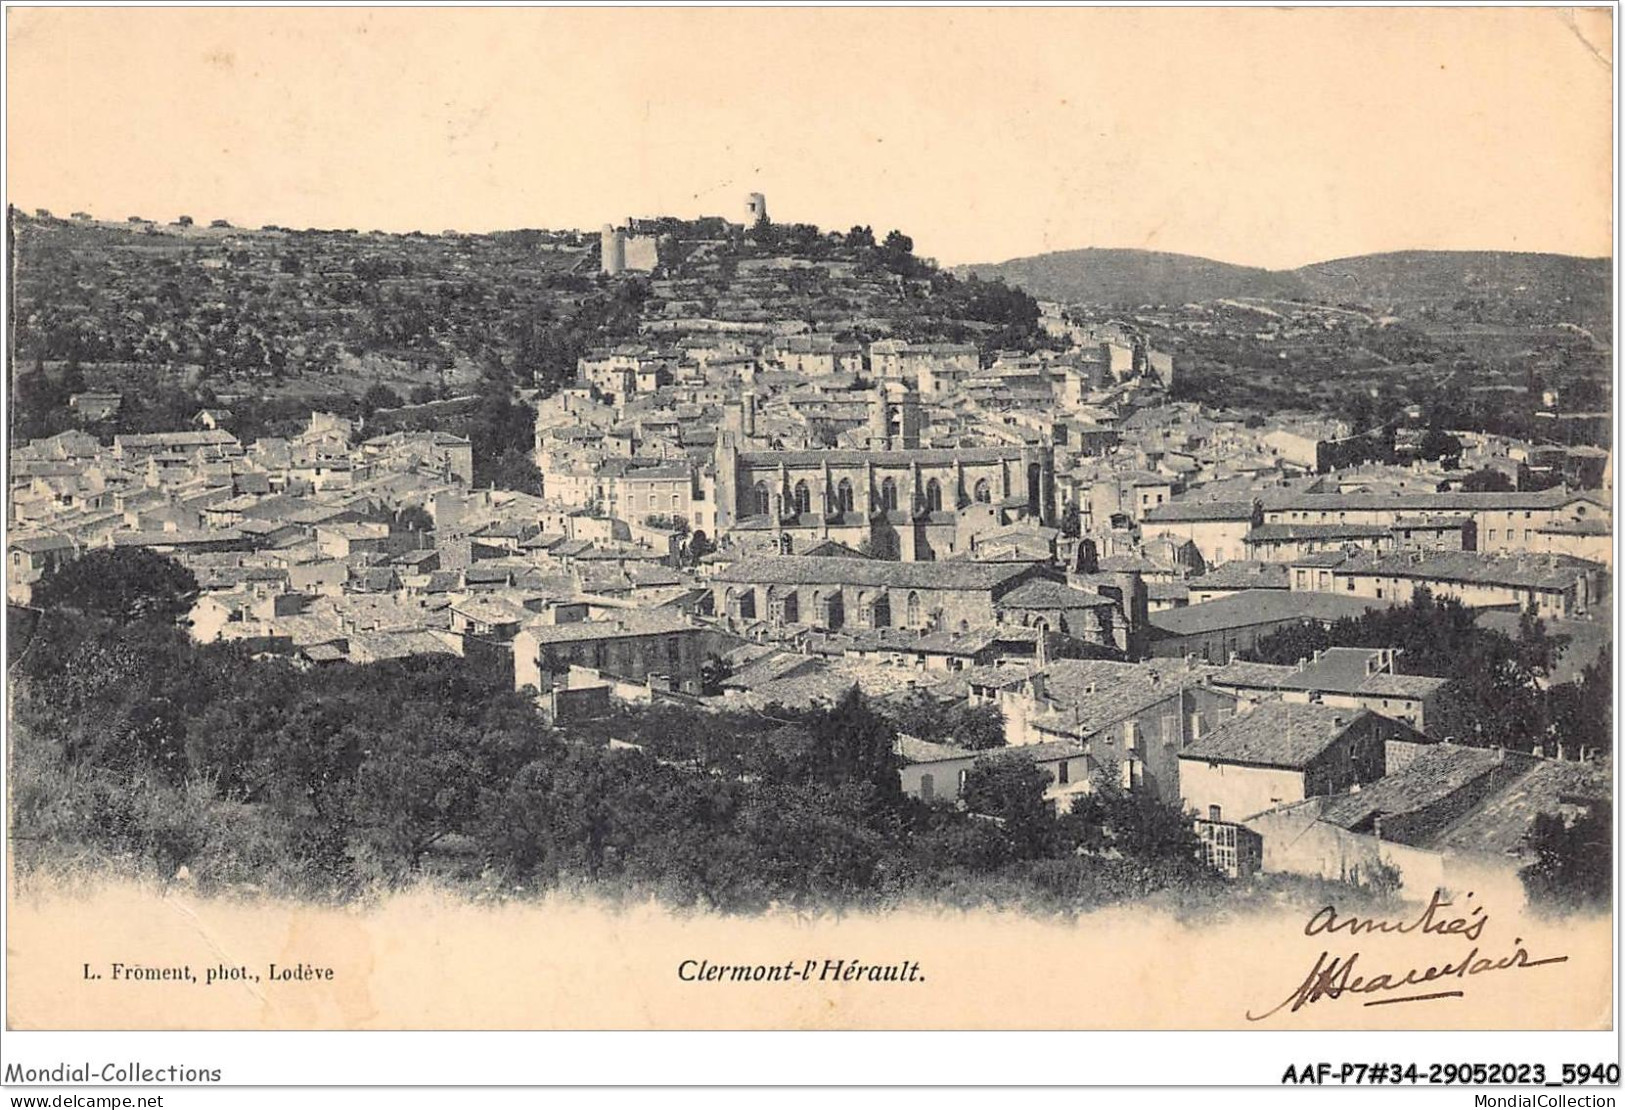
(1041, 752)
(1277, 501)
(1274, 734)
(896, 459)
(805, 570)
(1194, 511)
(1438, 771)
(1087, 695)
(1527, 571)
(627, 623)
(1498, 825)
(1251, 607)
(1167, 591)
(1242, 574)
(1041, 593)
(1285, 533)
(914, 750)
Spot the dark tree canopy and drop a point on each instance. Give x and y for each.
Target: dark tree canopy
(1497, 695)
(1486, 481)
(1010, 788)
(977, 727)
(122, 583)
(1573, 866)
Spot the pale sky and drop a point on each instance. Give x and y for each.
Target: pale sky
(1261, 136)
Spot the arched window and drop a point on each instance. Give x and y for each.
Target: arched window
(764, 503)
(883, 611)
(747, 604)
(933, 496)
(913, 609)
(888, 495)
(785, 545)
(843, 496)
(792, 609)
(983, 492)
(803, 498)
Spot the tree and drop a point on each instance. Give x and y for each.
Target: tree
(1009, 787)
(379, 396)
(861, 743)
(1573, 864)
(713, 673)
(1439, 444)
(1130, 823)
(124, 584)
(513, 469)
(1486, 481)
(860, 237)
(1071, 521)
(413, 518)
(1537, 651)
(978, 727)
(1582, 712)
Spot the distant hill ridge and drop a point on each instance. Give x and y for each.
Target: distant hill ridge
(1400, 280)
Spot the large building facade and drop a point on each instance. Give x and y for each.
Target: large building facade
(911, 503)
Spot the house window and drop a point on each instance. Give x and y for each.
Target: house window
(1215, 813)
(1063, 772)
(964, 773)
(928, 787)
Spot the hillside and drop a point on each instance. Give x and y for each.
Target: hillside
(1445, 287)
(1471, 286)
(272, 322)
(1129, 278)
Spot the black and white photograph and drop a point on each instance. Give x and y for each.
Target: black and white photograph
(1084, 519)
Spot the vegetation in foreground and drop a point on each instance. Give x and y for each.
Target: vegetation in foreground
(137, 752)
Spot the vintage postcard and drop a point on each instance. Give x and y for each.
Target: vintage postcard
(803, 519)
